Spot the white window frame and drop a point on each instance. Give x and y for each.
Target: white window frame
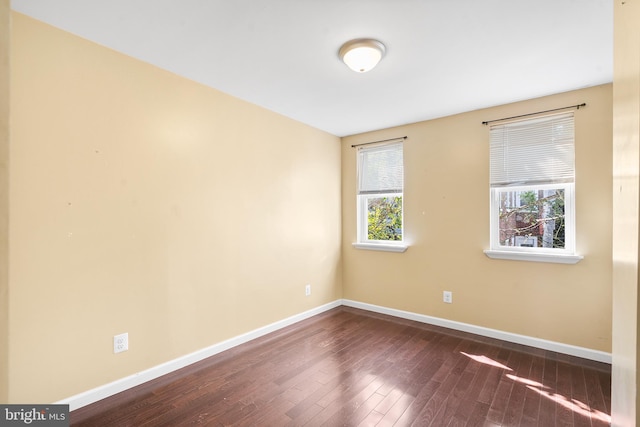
(363, 241)
(566, 255)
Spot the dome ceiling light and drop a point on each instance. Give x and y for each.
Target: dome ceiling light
(361, 55)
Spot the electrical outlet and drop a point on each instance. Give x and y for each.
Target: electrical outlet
(307, 290)
(121, 343)
(447, 296)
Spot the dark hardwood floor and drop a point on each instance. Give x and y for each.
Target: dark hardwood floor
(348, 367)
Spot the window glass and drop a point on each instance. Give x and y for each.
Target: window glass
(532, 218)
(384, 218)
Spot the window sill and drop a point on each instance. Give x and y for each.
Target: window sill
(521, 256)
(380, 247)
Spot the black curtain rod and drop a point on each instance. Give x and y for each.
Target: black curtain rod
(539, 112)
(375, 142)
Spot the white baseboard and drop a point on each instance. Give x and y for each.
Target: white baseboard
(102, 392)
(585, 353)
(99, 393)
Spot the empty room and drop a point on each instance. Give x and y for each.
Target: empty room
(358, 212)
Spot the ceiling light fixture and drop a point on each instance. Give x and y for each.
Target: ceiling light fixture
(361, 55)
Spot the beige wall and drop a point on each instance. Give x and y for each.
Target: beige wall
(5, 19)
(446, 214)
(626, 160)
(145, 203)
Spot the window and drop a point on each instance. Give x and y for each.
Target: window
(379, 204)
(532, 189)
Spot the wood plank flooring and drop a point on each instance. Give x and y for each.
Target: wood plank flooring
(348, 367)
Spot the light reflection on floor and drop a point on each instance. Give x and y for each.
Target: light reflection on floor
(486, 361)
(526, 381)
(573, 404)
(543, 390)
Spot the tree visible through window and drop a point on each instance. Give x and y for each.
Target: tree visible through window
(384, 218)
(532, 218)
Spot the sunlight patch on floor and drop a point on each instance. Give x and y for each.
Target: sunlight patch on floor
(486, 361)
(526, 381)
(574, 405)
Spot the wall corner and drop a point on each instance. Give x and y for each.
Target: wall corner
(5, 30)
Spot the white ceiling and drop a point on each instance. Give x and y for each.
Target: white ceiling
(443, 57)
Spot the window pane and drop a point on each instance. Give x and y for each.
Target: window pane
(384, 218)
(532, 218)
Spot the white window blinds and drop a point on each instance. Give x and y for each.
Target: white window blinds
(533, 151)
(380, 169)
